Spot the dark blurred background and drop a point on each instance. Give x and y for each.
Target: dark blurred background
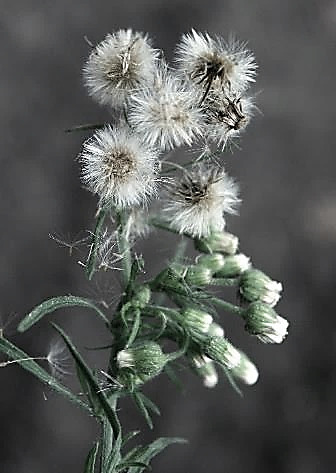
(286, 166)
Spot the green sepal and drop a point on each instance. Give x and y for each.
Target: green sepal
(30, 365)
(95, 391)
(61, 302)
(90, 463)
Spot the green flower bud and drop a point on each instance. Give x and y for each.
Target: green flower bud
(218, 242)
(263, 322)
(147, 360)
(205, 369)
(215, 330)
(219, 349)
(196, 320)
(234, 266)
(255, 285)
(198, 276)
(172, 279)
(142, 295)
(245, 370)
(214, 261)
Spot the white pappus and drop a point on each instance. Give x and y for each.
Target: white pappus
(197, 202)
(119, 167)
(119, 64)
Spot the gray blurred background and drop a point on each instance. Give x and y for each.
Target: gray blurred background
(286, 166)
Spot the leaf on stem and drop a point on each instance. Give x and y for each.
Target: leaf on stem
(30, 365)
(61, 302)
(91, 459)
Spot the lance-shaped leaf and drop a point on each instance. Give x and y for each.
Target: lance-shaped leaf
(24, 360)
(146, 454)
(62, 302)
(95, 390)
(90, 463)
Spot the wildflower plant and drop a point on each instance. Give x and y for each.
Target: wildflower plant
(201, 103)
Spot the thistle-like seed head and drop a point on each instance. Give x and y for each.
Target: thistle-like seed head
(119, 167)
(166, 114)
(122, 62)
(214, 63)
(197, 202)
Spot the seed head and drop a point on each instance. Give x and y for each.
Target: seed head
(122, 62)
(226, 116)
(197, 202)
(118, 167)
(215, 63)
(166, 114)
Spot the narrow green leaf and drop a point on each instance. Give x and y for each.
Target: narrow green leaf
(92, 259)
(85, 127)
(61, 302)
(94, 386)
(23, 360)
(124, 465)
(107, 443)
(232, 381)
(130, 436)
(153, 449)
(135, 328)
(142, 407)
(149, 404)
(91, 459)
(115, 455)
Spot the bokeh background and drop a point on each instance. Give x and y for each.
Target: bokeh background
(286, 166)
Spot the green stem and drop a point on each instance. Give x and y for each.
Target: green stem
(227, 305)
(92, 259)
(156, 222)
(85, 127)
(124, 247)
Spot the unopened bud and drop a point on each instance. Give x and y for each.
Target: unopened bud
(234, 266)
(214, 261)
(204, 367)
(215, 330)
(263, 322)
(146, 360)
(198, 276)
(245, 370)
(218, 242)
(196, 320)
(141, 296)
(219, 349)
(255, 285)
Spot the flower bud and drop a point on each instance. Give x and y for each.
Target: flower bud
(234, 266)
(214, 262)
(198, 276)
(171, 279)
(141, 296)
(255, 285)
(245, 371)
(218, 242)
(263, 322)
(215, 330)
(204, 367)
(220, 350)
(197, 320)
(146, 360)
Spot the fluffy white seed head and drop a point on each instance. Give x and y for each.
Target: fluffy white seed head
(166, 114)
(215, 63)
(122, 62)
(197, 202)
(226, 116)
(119, 167)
